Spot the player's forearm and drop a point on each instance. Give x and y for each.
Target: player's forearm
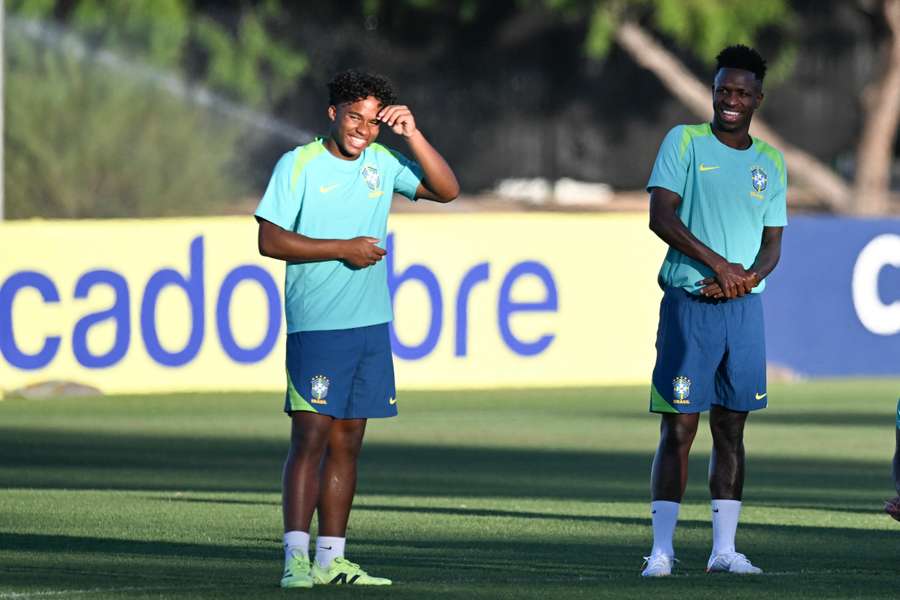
(275, 242)
(438, 178)
(769, 253)
(765, 263)
(670, 229)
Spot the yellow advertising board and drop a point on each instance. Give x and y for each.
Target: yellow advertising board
(481, 300)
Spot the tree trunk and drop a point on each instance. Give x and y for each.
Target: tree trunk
(803, 167)
(876, 145)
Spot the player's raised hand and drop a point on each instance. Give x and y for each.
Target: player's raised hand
(361, 252)
(399, 118)
(892, 507)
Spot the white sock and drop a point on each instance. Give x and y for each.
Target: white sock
(296, 542)
(725, 515)
(328, 549)
(664, 515)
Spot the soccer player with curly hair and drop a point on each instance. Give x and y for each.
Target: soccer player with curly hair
(325, 214)
(717, 198)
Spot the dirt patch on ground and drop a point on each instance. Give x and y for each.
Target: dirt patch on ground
(52, 389)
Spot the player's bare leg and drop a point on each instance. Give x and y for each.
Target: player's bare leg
(726, 463)
(335, 501)
(300, 480)
(339, 476)
(300, 493)
(668, 478)
(726, 485)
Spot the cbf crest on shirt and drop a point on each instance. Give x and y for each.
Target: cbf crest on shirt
(727, 197)
(370, 175)
(316, 194)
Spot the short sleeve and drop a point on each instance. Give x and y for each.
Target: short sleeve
(672, 160)
(281, 203)
(408, 177)
(776, 212)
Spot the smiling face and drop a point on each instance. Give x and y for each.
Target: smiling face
(353, 127)
(736, 95)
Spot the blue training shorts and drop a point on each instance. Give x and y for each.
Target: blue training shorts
(709, 352)
(343, 373)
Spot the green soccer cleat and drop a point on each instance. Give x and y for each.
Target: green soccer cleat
(296, 572)
(342, 571)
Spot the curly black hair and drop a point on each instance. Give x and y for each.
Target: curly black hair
(742, 57)
(352, 85)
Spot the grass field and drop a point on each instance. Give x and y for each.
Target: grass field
(510, 494)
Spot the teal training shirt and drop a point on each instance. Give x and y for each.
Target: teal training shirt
(316, 194)
(727, 197)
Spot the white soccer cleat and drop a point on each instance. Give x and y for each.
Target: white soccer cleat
(658, 565)
(731, 562)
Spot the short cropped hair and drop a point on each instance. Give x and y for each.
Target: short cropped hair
(742, 57)
(352, 85)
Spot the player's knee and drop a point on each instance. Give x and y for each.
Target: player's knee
(309, 440)
(346, 446)
(679, 435)
(347, 437)
(680, 442)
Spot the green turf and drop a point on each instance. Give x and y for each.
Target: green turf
(511, 494)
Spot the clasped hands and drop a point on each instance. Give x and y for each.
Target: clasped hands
(731, 280)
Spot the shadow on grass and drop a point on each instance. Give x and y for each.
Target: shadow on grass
(802, 562)
(33, 458)
(827, 419)
(118, 547)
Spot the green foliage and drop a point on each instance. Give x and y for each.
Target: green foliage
(707, 27)
(236, 64)
(602, 29)
(249, 64)
(156, 31)
(89, 139)
(83, 141)
(31, 9)
(701, 26)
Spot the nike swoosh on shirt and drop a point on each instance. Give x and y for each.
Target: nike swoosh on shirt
(392, 401)
(324, 189)
(704, 168)
(761, 396)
